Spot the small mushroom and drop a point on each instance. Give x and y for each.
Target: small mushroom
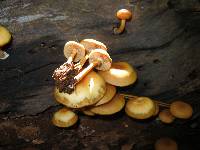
(64, 75)
(112, 107)
(89, 45)
(120, 74)
(98, 59)
(110, 93)
(74, 51)
(140, 108)
(64, 118)
(123, 15)
(166, 143)
(181, 110)
(3, 55)
(166, 117)
(158, 103)
(87, 92)
(5, 38)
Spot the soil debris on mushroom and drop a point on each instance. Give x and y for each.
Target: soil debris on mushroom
(64, 77)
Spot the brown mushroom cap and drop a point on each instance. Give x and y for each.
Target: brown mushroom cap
(166, 144)
(5, 36)
(140, 108)
(87, 92)
(91, 44)
(73, 46)
(124, 14)
(112, 107)
(110, 93)
(64, 118)
(166, 117)
(120, 74)
(101, 56)
(181, 109)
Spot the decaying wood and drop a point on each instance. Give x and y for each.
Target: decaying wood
(162, 42)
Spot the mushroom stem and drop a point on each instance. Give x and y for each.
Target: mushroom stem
(85, 71)
(121, 27)
(159, 102)
(3, 54)
(98, 59)
(80, 65)
(71, 58)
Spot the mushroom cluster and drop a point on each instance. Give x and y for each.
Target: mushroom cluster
(87, 83)
(144, 108)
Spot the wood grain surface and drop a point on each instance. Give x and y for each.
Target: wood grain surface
(162, 41)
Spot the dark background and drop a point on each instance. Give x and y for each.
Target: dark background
(162, 42)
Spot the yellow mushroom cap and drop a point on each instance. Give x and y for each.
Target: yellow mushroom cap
(87, 92)
(5, 36)
(140, 108)
(91, 44)
(120, 74)
(124, 14)
(166, 144)
(166, 117)
(110, 93)
(112, 107)
(181, 110)
(64, 118)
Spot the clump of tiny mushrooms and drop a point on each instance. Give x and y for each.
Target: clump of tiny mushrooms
(94, 91)
(5, 38)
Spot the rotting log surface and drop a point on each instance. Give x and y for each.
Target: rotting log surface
(162, 42)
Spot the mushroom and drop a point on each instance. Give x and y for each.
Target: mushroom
(3, 54)
(5, 38)
(140, 108)
(87, 92)
(181, 109)
(166, 143)
(110, 93)
(74, 51)
(112, 107)
(159, 103)
(120, 74)
(89, 45)
(64, 118)
(64, 75)
(166, 117)
(123, 15)
(98, 59)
